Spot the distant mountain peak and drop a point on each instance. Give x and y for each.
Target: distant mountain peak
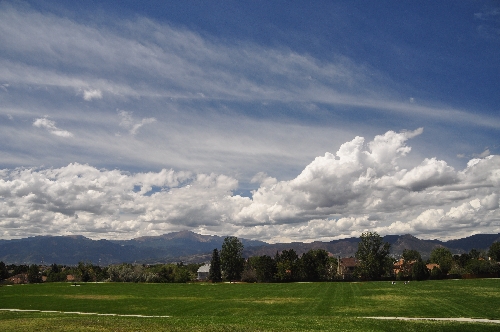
(188, 246)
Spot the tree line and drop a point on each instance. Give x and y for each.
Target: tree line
(229, 265)
(88, 272)
(373, 262)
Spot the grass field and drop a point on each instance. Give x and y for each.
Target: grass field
(251, 307)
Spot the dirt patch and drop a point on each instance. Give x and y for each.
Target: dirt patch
(97, 297)
(388, 297)
(276, 300)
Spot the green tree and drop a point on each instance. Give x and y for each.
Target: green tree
(265, 267)
(56, 274)
(166, 273)
(479, 266)
(249, 273)
(461, 260)
(443, 257)
(287, 266)
(419, 271)
(84, 271)
(214, 273)
(373, 256)
(231, 257)
(181, 274)
(409, 257)
(4, 273)
(332, 268)
(474, 254)
(494, 251)
(314, 265)
(34, 275)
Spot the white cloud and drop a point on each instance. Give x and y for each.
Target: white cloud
(51, 127)
(483, 154)
(201, 92)
(132, 125)
(360, 187)
(189, 67)
(88, 95)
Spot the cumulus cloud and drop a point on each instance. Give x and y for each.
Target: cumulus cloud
(132, 125)
(51, 127)
(360, 187)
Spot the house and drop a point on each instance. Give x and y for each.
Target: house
(403, 267)
(346, 267)
(432, 266)
(203, 272)
(21, 278)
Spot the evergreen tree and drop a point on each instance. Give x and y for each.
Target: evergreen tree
(4, 273)
(34, 275)
(214, 273)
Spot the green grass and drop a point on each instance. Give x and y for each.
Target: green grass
(252, 307)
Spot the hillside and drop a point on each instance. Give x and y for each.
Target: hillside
(196, 248)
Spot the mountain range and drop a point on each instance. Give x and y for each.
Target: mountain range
(190, 247)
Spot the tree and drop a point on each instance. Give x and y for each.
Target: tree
(249, 273)
(314, 265)
(4, 273)
(265, 267)
(181, 274)
(419, 271)
(56, 274)
(373, 256)
(443, 257)
(474, 253)
(287, 265)
(214, 273)
(494, 251)
(34, 275)
(478, 267)
(410, 257)
(231, 257)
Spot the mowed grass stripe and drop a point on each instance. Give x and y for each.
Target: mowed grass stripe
(463, 298)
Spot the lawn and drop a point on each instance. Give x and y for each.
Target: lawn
(251, 307)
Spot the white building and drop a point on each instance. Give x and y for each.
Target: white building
(203, 272)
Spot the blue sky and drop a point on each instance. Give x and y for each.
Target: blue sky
(272, 120)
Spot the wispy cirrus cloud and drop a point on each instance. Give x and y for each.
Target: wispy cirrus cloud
(132, 125)
(190, 67)
(51, 127)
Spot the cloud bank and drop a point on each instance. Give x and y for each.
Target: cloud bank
(360, 187)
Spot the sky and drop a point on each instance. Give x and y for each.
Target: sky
(277, 121)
